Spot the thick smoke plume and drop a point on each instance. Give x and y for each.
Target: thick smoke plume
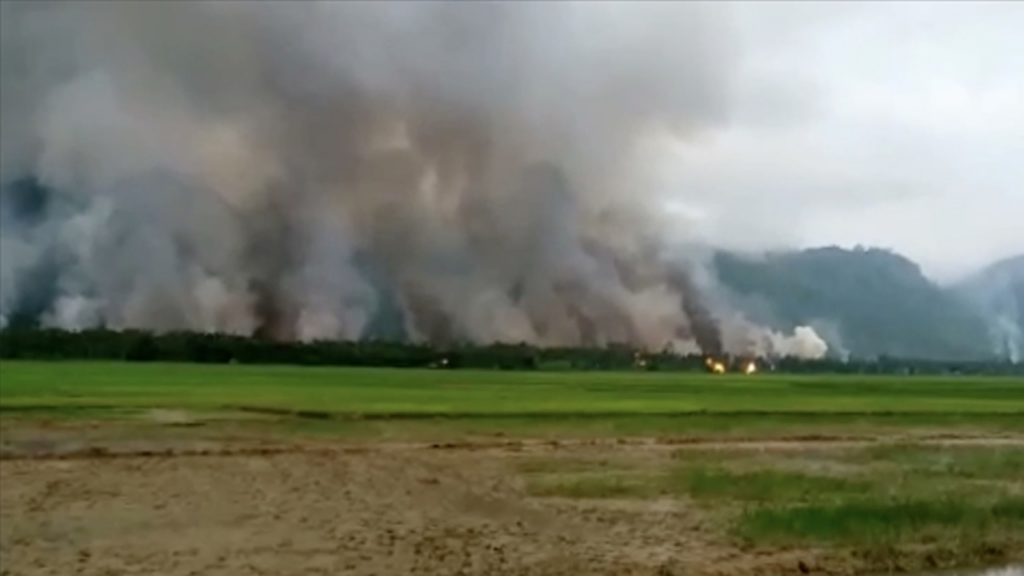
(434, 171)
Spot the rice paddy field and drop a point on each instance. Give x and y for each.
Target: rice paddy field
(117, 468)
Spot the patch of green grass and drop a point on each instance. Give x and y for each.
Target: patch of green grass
(882, 522)
(898, 505)
(768, 486)
(968, 462)
(588, 478)
(609, 486)
(887, 516)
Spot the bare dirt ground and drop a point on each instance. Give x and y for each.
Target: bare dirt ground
(79, 502)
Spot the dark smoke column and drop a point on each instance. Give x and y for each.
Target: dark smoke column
(271, 251)
(704, 325)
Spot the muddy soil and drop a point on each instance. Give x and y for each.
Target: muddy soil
(246, 508)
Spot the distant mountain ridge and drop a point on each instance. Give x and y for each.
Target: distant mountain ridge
(871, 302)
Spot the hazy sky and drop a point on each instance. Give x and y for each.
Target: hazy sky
(899, 125)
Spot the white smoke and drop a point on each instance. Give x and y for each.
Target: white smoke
(743, 337)
(803, 343)
(1010, 338)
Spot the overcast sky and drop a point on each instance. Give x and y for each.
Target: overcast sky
(898, 125)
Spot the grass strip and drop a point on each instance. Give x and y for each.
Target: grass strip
(766, 486)
(880, 522)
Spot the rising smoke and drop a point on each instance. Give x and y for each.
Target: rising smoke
(434, 171)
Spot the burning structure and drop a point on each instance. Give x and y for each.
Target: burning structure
(429, 171)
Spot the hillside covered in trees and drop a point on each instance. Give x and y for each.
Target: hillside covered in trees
(870, 303)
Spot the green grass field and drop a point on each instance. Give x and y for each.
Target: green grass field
(442, 404)
(889, 498)
(477, 393)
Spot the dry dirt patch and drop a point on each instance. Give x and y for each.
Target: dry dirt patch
(311, 510)
(180, 506)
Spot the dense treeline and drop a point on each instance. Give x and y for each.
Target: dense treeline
(140, 346)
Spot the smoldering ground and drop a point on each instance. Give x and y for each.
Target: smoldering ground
(437, 171)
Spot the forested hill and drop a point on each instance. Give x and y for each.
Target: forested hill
(866, 302)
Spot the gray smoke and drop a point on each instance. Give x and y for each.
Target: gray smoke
(996, 294)
(999, 304)
(305, 170)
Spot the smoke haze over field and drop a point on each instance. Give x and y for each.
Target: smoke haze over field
(477, 171)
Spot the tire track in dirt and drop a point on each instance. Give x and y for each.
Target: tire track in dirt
(76, 450)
